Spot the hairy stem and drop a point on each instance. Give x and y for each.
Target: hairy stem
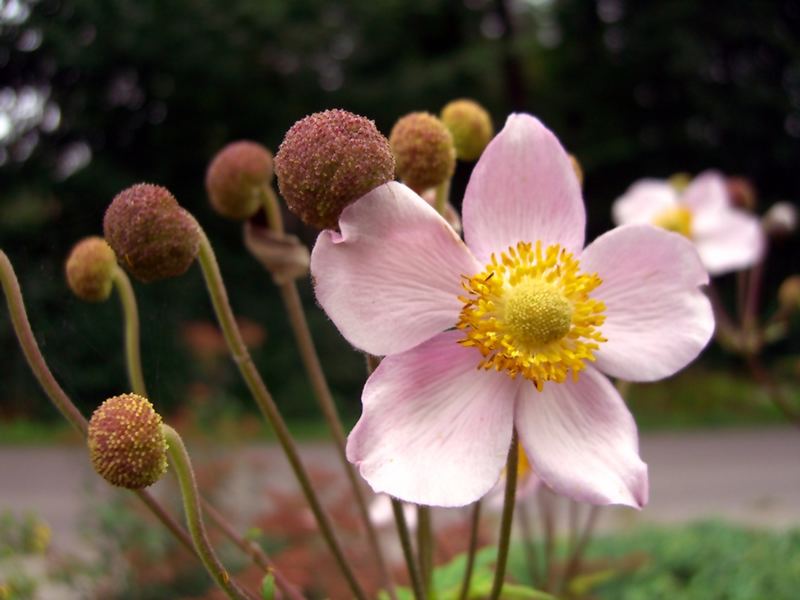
(425, 542)
(471, 551)
(442, 196)
(194, 518)
(265, 402)
(133, 354)
(408, 551)
(506, 520)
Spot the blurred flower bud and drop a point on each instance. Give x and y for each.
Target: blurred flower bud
(789, 294)
(780, 220)
(742, 193)
(234, 177)
(679, 181)
(283, 255)
(470, 125)
(576, 166)
(328, 160)
(126, 444)
(153, 237)
(423, 149)
(90, 269)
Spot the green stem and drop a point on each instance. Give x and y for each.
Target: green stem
(425, 547)
(574, 562)
(408, 552)
(442, 196)
(191, 505)
(471, 551)
(506, 520)
(37, 364)
(319, 383)
(133, 354)
(265, 402)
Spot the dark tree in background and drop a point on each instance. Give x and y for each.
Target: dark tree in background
(96, 95)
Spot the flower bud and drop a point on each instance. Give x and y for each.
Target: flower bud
(789, 294)
(234, 177)
(680, 181)
(781, 219)
(470, 125)
(327, 161)
(153, 237)
(90, 269)
(742, 193)
(424, 151)
(126, 443)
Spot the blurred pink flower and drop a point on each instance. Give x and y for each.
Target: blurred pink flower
(728, 239)
(498, 333)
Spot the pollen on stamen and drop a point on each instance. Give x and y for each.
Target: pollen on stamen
(529, 313)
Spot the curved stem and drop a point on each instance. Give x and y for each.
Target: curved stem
(182, 466)
(442, 196)
(574, 561)
(265, 402)
(408, 552)
(473, 548)
(319, 384)
(506, 520)
(252, 549)
(425, 547)
(133, 353)
(37, 364)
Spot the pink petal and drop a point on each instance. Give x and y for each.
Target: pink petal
(657, 318)
(643, 202)
(706, 197)
(523, 189)
(734, 240)
(392, 277)
(435, 430)
(582, 440)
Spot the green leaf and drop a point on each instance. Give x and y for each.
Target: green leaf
(268, 587)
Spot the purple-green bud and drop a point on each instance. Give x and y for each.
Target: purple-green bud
(423, 149)
(235, 176)
(327, 161)
(126, 443)
(90, 269)
(470, 125)
(153, 237)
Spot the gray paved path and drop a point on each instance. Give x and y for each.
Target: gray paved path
(748, 476)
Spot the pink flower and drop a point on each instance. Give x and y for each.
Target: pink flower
(499, 333)
(728, 239)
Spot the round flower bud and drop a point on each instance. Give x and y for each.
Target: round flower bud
(742, 193)
(781, 219)
(153, 237)
(126, 444)
(470, 125)
(680, 181)
(789, 294)
(424, 151)
(90, 269)
(328, 160)
(234, 177)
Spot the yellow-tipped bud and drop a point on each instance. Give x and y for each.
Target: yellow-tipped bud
(423, 150)
(90, 269)
(470, 125)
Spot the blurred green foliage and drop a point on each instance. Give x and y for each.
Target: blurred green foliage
(150, 90)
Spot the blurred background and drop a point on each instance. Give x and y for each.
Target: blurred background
(96, 96)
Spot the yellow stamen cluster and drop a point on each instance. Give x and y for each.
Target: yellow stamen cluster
(675, 218)
(529, 313)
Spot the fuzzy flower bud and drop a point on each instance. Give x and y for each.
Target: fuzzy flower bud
(781, 219)
(90, 269)
(153, 237)
(126, 444)
(789, 294)
(234, 177)
(328, 160)
(424, 151)
(470, 125)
